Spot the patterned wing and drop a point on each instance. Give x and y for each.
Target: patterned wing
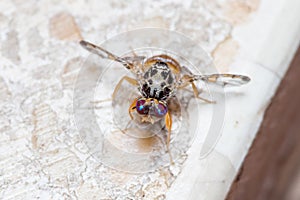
(126, 62)
(223, 79)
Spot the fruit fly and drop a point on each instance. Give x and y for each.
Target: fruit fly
(157, 79)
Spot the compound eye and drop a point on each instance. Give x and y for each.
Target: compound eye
(160, 110)
(141, 108)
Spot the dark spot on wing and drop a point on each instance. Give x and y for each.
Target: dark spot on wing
(246, 78)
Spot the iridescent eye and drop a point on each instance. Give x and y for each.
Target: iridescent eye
(141, 108)
(160, 110)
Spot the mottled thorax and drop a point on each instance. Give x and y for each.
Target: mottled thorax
(158, 81)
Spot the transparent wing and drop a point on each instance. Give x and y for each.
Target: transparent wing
(223, 79)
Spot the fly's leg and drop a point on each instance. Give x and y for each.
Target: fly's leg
(168, 122)
(196, 93)
(126, 78)
(186, 80)
(132, 108)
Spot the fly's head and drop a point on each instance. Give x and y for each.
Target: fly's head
(150, 109)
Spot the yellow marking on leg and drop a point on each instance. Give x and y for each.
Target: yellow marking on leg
(196, 93)
(128, 79)
(189, 80)
(132, 108)
(168, 122)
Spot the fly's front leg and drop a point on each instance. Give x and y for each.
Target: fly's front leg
(128, 79)
(132, 108)
(168, 122)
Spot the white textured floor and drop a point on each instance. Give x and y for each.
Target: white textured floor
(42, 153)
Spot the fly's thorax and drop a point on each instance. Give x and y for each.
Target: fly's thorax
(158, 82)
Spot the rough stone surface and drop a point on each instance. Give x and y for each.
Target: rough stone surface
(41, 153)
